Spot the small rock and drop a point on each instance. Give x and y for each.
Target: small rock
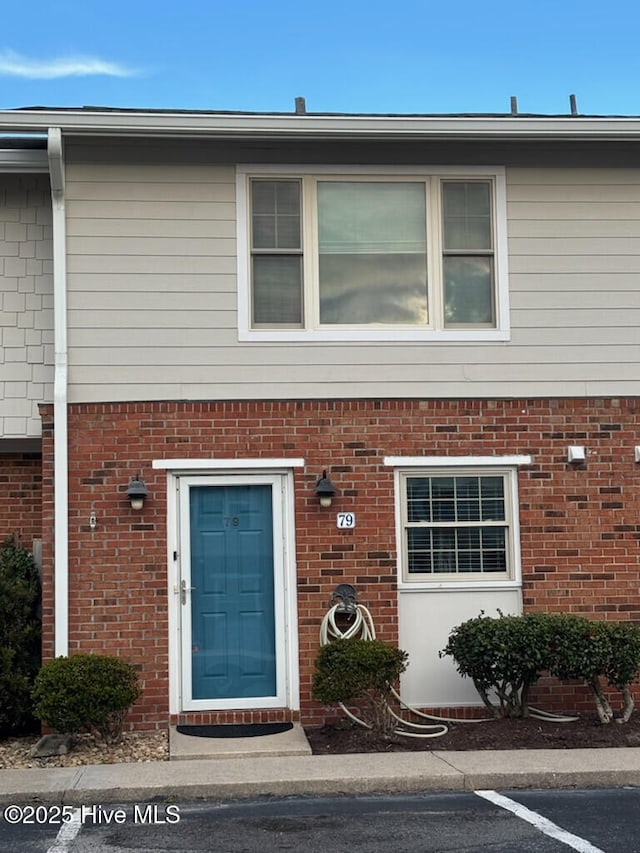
(51, 745)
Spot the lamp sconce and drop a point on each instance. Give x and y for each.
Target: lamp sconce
(325, 490)
(137, 492)
(637, 453)
(576, 454)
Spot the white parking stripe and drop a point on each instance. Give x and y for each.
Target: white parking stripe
(67, 833)
(540, 822)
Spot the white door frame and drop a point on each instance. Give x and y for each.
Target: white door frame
(243, 472)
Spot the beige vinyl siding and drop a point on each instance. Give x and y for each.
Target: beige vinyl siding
(152, 296)
(151, 254)
(574, 242)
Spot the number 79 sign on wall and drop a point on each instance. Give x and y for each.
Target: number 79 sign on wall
(346, 520)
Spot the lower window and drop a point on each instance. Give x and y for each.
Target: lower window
(457, 525)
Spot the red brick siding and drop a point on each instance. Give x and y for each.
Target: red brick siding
(21, 497)
(580, 525)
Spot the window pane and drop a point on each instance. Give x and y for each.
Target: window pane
(467, 499)
(492, 498)
(443, 499)
(277, 289)
(372, 245)
(444, 549)
(469, 561)
(492, 487)
(468, 290)
(468, 538)
(419, 550)
(418, 501)
(276, 214)
(443, 487)
(494, 555)
(467, 215)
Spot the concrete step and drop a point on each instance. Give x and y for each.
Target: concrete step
(183, 747)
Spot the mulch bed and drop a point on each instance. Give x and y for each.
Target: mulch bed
(587, 732)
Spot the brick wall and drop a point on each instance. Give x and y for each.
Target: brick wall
(580, 525)
(21, 497)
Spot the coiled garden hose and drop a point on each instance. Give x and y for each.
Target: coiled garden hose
(362, 627)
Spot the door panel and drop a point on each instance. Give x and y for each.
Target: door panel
(233, 645)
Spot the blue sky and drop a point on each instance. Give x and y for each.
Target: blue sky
(351, 56)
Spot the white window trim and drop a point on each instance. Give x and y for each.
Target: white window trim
(506, 465)
(246, 333)
(454, 461)
(214, 464)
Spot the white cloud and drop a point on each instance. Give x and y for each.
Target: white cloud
(14, 65)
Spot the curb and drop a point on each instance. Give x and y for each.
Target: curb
(226, 779)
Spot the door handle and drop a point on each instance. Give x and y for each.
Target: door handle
(184, 589)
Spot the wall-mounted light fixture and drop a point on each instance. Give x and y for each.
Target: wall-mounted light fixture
(576, 454)
(137, 492)
(325, 490)
(637, 453)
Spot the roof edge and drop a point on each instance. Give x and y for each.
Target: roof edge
(147, 123)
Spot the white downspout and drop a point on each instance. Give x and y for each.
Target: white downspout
(60, 475)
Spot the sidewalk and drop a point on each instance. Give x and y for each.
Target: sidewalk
(230, 778)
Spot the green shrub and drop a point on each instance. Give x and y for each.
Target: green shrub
(623, 665)
(504, 656)
(20, 637)
(361, 673)
(593, 650)
(86, 693)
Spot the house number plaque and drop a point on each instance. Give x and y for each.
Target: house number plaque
(346, 520)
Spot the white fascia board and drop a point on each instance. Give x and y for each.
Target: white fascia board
(196, 124)
(453, 461)
(23, 160)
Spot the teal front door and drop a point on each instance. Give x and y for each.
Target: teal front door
(232, 608)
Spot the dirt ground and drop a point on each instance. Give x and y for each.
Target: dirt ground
(587, 732)
(345, 738)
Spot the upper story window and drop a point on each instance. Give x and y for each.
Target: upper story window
(357, 255)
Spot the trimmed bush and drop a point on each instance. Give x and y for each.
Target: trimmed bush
(86, 693)
(361, 673)
(504, 656)
(20, 637)
(591, 651)
(623, 665)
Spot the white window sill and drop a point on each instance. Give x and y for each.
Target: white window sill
(456, 586)
(373, 335)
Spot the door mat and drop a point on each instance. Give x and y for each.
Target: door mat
(235, 730)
